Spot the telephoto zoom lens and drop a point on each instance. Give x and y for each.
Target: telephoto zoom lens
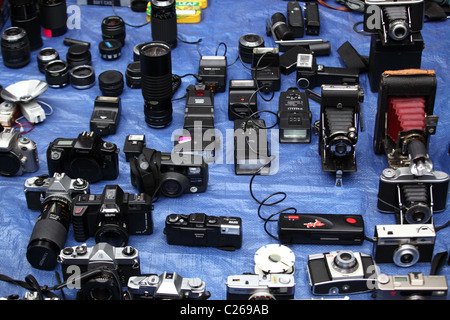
(24, 15)
(53, 17)
(113, 27)
(164, 22)
(49, 233)
(156, 83)
(15, 48)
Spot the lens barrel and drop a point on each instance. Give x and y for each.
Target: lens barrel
(82, 77)
(113, 27)
(156, 83)
(164, 22)
(24, 15)
(46, 56)
(15, 47)
(247, 43)
(53, 17)
(57, 74)
(49, 233)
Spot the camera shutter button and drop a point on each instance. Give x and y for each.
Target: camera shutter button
(195, 282)
(173, 218)
(108, 145)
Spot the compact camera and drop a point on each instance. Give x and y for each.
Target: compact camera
(17, 154)
(339, 123)
(404, 244)
(413, 286)
(260, 287)
(396, 41)
(198, 229)
(111, 216)
(341, 272)
(87, 157)
(412, 198)
(53, 197)
(171, 174)
(103, 270)
(167, 286)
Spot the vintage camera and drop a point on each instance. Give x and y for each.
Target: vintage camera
(167, 286)
(310, 74)
(103, 270)
(341, 272)
(87, 157)
(260, 287)
(404, 244)
(111, 216)
(266, 68)
(17, 154)
(198, 229)
(9, 112)
(53, 197)
(171, 174)
(294, 117)
(339, 121)
(405, 115)
(242, 99)
(413, 286)
(412, 198)
(396, 41)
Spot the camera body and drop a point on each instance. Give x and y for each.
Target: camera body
(198, 229)
(341, 272)
(111, 216)
(413, 286)
(109, 269)
(295, 117)
(167, 286)
(339, 122)
(260, 287)
(413, 198)
(17, 154)
(172, 174)
(404, 244)
(87, 157)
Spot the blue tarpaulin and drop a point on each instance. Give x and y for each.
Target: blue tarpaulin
(296, 170)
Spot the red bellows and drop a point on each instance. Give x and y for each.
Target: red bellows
(405, 114)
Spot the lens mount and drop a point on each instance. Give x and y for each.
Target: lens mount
(112, 232)
(103, 286)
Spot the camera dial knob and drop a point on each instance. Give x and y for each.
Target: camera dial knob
(195, 282)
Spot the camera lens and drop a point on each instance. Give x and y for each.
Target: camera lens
(53, 17)
(15, 48)
(111, 83)
(133, 75)
(113, 27)
(110, 49)
(156, 83)
(102, 286)
(24, 15)
(341, 147)
(173, 184)
(45, 56)
(82, 77)
(164, 21)
(246, 45)
(345, 261)
(78, 55)
(280, 27)
(406, 255)
(57, 74)
(137, 51)
(49, 233)
(396, 17)
(9, 164)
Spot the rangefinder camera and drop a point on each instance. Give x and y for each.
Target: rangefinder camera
(167, 286)
(341, 272)
(198, 229)
(87, 157)
(404, 244)
(17, 154)
(260, 287)
(413, 286)
(111, 216)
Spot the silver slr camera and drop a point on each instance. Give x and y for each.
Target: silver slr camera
(260, 287)
(167, 286)
(17, 154)
(413, 286)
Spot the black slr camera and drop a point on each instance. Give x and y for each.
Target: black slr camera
(111, 216)
(87, 157)
(99, 272)
(339, 122)
(172, 174)
(198, 229)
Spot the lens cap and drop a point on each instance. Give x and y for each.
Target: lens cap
(42, 255)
